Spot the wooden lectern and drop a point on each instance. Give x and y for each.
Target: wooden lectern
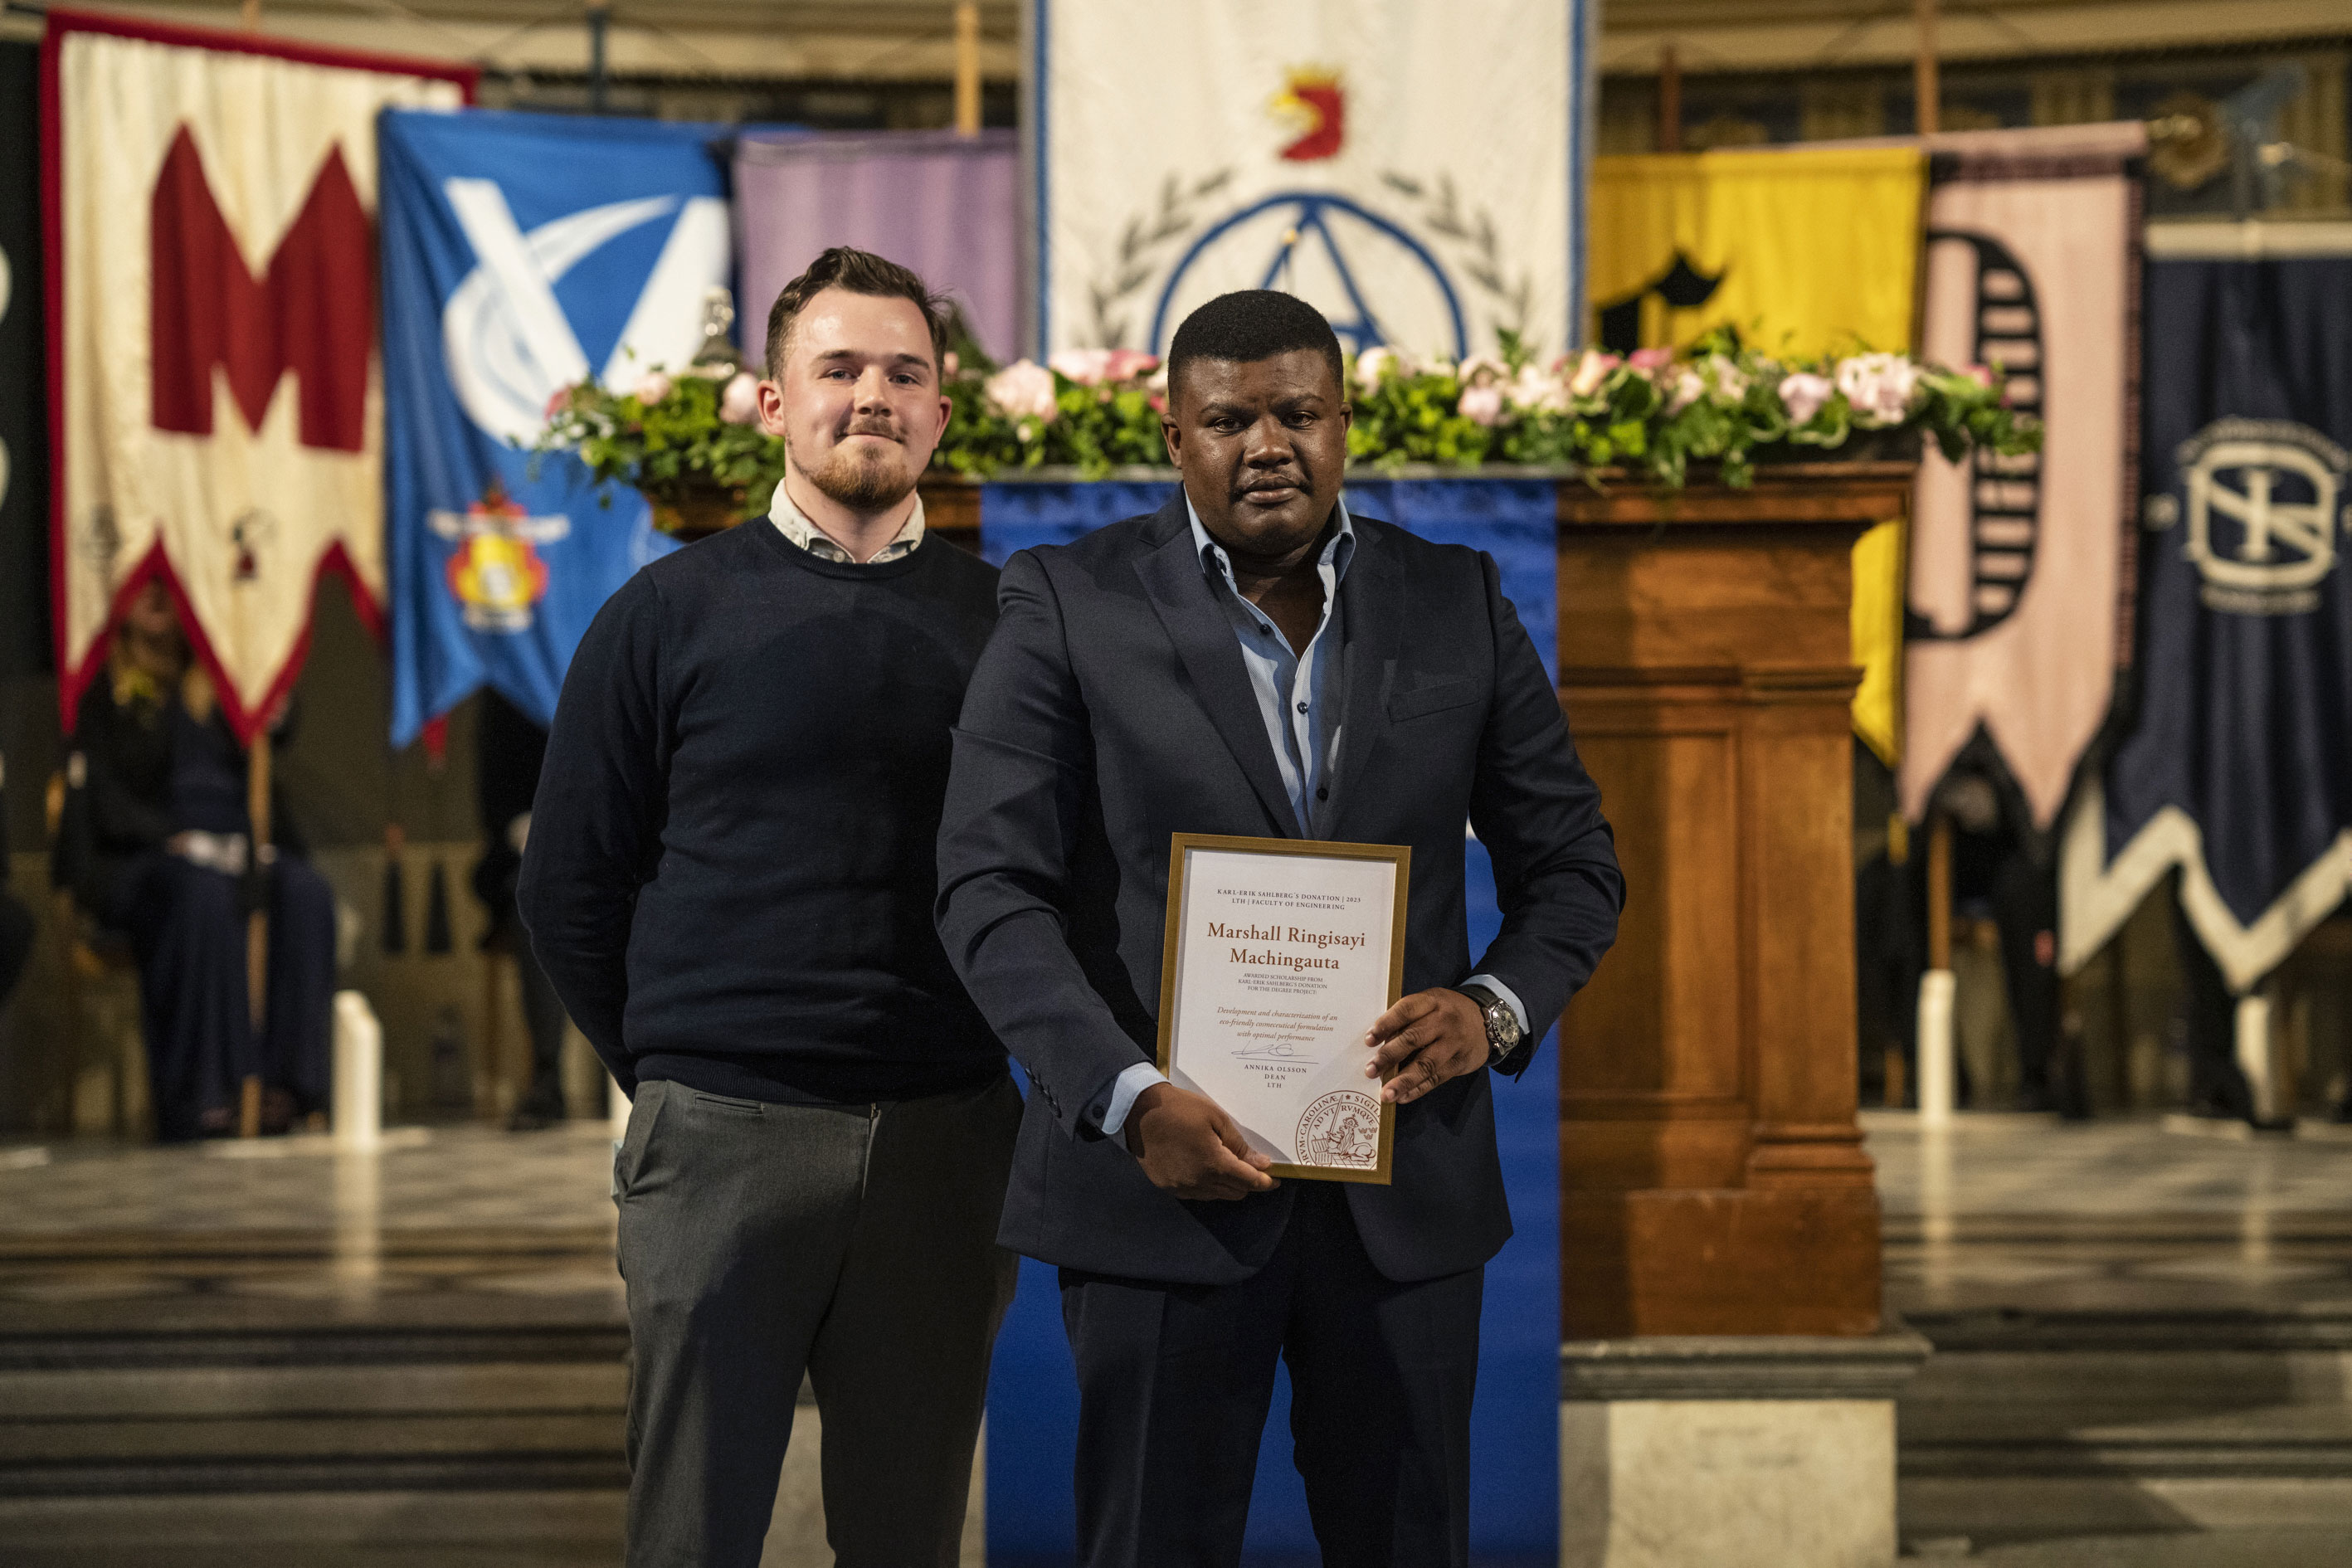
(1712, 1174)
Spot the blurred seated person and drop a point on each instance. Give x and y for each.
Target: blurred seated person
(15, 920)
(156, 847)
(2002, 868)
(509, 750)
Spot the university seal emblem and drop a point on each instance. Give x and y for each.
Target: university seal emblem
(1342, 1129)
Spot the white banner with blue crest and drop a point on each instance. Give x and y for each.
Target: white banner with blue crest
(1413, 170)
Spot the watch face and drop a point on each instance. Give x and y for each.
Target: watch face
(1502, 1026)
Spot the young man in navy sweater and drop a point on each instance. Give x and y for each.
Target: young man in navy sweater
(730, 878)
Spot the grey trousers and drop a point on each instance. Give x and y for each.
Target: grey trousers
(857, 1243)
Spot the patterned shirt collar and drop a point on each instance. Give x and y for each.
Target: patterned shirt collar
(794, 525)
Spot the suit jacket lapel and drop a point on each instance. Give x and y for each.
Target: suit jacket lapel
(1180, 592)
(1371, 602)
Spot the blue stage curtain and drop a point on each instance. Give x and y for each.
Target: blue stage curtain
(1515, 1427)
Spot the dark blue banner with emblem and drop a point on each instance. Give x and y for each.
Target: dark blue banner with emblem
(522, 254)
(1032, 1397)
(2236, 763)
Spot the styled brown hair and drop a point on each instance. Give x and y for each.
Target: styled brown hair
(859, 272)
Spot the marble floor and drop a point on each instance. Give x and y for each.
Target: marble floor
(2000, 1213)
(2016, 1213)
(449, 1224)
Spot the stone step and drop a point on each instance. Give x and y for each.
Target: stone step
(127, 1393)
(2028, 1508)
(390, 1528)
(395, 1472)
(2092, 1421)
(2172, 1378)
(307, 1345)
(331, 1407)
(2265, 1456)
(2025, 1423)
(2312, 1327)
(27, 1447)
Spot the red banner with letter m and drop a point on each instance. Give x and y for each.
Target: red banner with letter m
(217, 404)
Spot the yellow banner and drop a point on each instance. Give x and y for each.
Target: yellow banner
(1805, 253)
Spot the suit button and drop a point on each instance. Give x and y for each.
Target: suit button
(1302, 708)
(1323, 792)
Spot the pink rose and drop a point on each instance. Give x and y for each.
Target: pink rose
(1802, 395)
(557, 402)
(1981, 374)
(1482, 370)
(1878, 385)
(1591, 373)
(1088, 367)
(1376, 363)
(1538, 391)
(651, 388)
(1126, 365)
(1686, 387)
(1023, 390)
(1650, 360)
(738, 400)
(1481, 404)
(1729, 381)
(951, 364)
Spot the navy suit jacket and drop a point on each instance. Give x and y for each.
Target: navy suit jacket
(1111, 709)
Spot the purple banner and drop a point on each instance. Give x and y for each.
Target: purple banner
(947, 205)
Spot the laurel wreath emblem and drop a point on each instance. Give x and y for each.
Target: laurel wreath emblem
(1141, 245)
(1473, 234)
(1149, 235)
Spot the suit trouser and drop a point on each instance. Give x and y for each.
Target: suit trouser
(1174, 1382)
(856, 1243)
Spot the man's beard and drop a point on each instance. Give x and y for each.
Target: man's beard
(862, 478)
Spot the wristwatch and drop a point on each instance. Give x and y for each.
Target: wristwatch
(1502, 1024)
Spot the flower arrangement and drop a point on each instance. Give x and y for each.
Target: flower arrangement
(1653, 413)
(690, 441)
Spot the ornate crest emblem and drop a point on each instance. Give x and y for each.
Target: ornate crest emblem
(1312, 106)
(496, 571)
(2264, 503)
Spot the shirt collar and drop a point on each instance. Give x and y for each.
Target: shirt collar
(795, 526)
(1337, 549)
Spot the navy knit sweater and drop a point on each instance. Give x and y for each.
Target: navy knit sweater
(731, 866)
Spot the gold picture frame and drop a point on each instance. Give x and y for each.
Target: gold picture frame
(1179, 847)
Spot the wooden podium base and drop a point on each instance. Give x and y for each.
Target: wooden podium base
(1713, 1180)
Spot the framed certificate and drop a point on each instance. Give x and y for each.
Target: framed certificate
(1280, 953)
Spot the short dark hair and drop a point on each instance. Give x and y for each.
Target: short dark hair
(857, 272)
(1253, 324)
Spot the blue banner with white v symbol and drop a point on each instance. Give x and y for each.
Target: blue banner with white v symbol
(522, 254)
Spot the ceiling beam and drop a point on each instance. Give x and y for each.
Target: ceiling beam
(1715, 38)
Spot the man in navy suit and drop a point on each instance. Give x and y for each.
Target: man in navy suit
(1251, 659)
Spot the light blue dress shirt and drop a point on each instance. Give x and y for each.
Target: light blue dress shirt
(1300, 696)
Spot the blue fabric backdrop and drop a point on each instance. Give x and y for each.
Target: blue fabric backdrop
(1515, 1427)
